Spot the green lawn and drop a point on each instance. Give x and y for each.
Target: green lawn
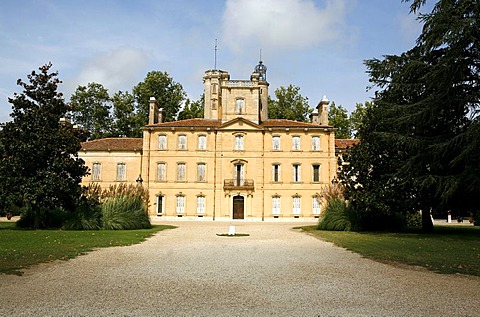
(450, 249)
(20, 249)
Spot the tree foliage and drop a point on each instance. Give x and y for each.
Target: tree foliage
(169, 94)
(126, 122)
(289, 104)
(90, 108)
(424, 125)
(338, 117)
(40, 168)
(193, 109)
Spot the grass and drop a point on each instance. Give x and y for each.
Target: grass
(449, 250)
(20, 249)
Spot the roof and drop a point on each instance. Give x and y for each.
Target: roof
(283, 123)
(113, 144)
(207, 123)
(343, 144)
(197, 122)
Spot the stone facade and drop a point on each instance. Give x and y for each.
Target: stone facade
(234, 163)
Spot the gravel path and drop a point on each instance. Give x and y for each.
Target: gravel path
(276, 271)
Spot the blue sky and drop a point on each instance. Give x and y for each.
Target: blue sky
(318, 45)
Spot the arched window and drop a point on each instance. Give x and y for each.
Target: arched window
(200, 205)
(239, 142)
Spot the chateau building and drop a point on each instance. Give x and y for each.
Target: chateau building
(234, 163)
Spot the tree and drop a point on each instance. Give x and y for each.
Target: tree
(290, 104)
(126, 122)
(192, 109)
(91, 109)
(168, 93)
(357, 117)
(338, 117)
(426, 113)
(40, 167)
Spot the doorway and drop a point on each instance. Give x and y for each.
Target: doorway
(238, 207)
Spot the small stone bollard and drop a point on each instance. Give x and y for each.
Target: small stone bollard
(231, 231)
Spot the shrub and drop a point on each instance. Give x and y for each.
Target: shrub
(414, 220)
(124, 213)
(41, 218)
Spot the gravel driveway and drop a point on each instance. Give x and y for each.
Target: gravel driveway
(276, 271)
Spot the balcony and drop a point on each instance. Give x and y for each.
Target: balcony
(238, 184)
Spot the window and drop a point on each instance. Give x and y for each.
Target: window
(162, 142)
(296, 143)
(121, 171)
(315, 143)
(296, 172)
(202, 142)
(180, 207)
(316, 172)
(240, 106)
(276, 205)
(181, 172)
(275, 172)
(160, 204)
(296, 205)
(96, 171)
(200, 205)
(276, 143)
(182, 142)
(239, 142)
(239, 175)
(161, 172)
(316, 205)
(214, 88)
(201, 172)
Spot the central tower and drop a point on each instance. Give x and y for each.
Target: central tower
(227, 99)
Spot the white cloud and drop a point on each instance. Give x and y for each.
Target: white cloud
(408, 26)
(112, 69)
(281, 24)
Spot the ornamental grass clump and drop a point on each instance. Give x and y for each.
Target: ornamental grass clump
(124, 213)
(337, 216)
(87, 216)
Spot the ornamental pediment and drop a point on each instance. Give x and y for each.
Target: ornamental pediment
(240, 124)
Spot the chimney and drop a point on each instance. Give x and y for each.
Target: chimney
(153, 115)
(322, 110)
(160, 115)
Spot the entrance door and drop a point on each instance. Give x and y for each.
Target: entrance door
(238, 207)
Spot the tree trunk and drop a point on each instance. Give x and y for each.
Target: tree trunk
(427, 223)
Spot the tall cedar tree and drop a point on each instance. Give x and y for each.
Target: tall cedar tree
(424, 124)
(39, 164)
